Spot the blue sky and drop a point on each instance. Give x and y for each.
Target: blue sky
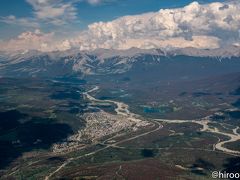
(59, 25)
(86, 13)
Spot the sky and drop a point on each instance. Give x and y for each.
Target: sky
(119, 24)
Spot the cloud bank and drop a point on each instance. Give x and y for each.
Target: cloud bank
(201, 26)
(196, 25)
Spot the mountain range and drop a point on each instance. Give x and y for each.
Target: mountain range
(109, 61)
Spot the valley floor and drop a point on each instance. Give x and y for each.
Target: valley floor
(124, 134)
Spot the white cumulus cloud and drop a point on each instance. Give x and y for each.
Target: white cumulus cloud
(36, 40)
(195, 25)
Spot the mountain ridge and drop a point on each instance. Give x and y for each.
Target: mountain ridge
(228, 51)
(100, 61)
